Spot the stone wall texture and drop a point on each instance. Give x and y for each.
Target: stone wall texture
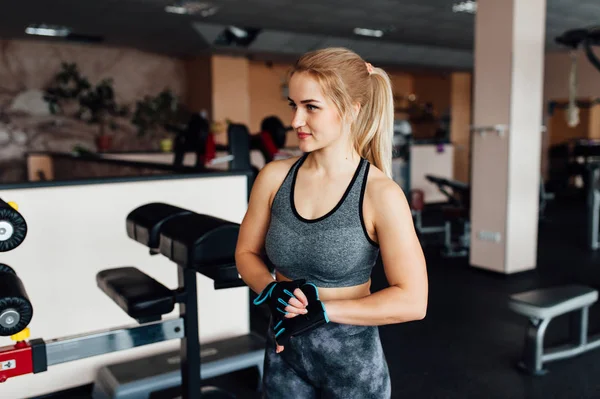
(27, 67)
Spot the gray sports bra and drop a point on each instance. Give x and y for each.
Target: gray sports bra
(333, 250)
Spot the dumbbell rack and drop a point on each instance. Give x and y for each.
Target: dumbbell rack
(210, 242)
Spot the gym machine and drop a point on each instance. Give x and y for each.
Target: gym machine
(585, 38)
(198, 139)
(401, 146)
(457, 213)
(417, 206)
(196, 243)
(271, 138)
(575, 39)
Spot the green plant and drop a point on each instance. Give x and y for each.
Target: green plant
(95, 104)
(98, 106)
(160, 112)
(68, 85)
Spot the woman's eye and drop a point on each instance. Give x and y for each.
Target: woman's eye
(311, 107)
(292, 105)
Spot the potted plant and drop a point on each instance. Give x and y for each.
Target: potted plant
(70, 93)
(63, 93)
(162, 114)
(98, 106)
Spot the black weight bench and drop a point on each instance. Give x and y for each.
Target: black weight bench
(139, 295)
(541, 306)
(144, 223)
(457, 212)
(196, 244)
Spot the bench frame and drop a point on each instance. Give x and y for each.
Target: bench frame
(534, 357)
(191, 371)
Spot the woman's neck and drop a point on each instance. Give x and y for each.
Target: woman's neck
(334, 160)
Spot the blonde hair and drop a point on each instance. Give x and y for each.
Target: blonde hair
(347, 79)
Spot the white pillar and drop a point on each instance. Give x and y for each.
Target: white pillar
(508, 91)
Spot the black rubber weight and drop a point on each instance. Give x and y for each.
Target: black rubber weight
(23, 307)
(13, 296)
(4, 268)
(19, 225)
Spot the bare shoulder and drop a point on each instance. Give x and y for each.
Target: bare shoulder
(382, 191)
(272, 175)
(385, 203)
(278, 169)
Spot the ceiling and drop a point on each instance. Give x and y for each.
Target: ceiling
(419, 33)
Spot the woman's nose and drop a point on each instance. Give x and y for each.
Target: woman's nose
(298, 120)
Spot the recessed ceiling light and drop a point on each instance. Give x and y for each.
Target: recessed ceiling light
(368, 32)
(468, 6)
(192, 8)
(47, 30)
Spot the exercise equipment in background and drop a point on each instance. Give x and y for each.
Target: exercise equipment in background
(196, 243)
(574, 39)
(456, 227)
(417, 206)
(569, 164)
(401, 145)
(585, 38)
(198, 139)
(271, 139)
(195, 138)
(542, 305)
(456, 215)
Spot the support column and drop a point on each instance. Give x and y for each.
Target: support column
(230, 91)
(509, 67)
(219, 85)
(198, 76)
(460, 108)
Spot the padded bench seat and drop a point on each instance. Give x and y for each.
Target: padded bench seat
(139, 295)
(551, 302)
(541, 306)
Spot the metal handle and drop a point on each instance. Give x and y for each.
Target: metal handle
(498, 129)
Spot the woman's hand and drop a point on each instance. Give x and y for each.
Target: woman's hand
(297, 306)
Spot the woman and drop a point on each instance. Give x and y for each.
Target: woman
(322, 220)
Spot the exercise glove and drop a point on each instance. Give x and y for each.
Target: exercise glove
(316, 316)
(277, 295)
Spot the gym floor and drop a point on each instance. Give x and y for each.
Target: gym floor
(468, 344)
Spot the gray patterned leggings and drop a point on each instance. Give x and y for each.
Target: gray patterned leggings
(334, 361)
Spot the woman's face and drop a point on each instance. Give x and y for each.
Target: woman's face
(315, 118)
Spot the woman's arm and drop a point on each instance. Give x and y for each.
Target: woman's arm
(403, 261)
(253, 229)
(251, 238)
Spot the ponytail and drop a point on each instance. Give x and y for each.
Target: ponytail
(374, 127)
